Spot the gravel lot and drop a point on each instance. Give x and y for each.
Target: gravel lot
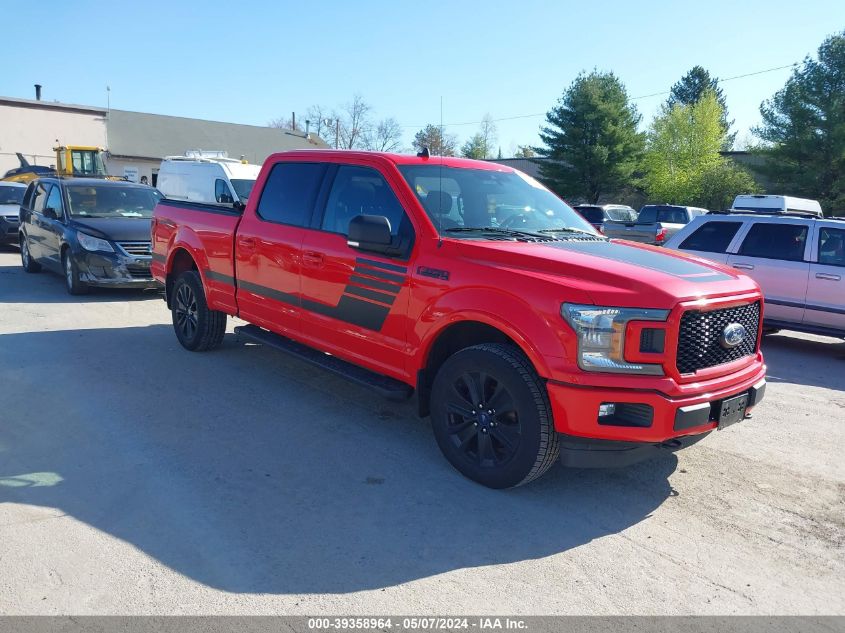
(138, 478)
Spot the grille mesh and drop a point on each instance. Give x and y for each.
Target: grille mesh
(698, 338)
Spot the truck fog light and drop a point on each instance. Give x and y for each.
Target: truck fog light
(606, 409)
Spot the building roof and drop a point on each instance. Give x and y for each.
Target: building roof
(153, 136)
(51, 105)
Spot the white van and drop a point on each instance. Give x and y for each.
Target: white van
(215, 180)
(759, 203)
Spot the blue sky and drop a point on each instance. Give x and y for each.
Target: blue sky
(250, 62)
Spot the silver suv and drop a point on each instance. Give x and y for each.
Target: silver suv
(798, 261)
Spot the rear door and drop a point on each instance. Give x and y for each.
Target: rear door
(712, 239)
(826, 285)
(355, 303)
(268, 247)
(775, 255)
(35, 228)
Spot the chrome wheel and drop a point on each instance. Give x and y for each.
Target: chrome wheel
(68, 271)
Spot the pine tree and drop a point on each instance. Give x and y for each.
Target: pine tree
(692, 87)
(804, 129)
(591, 139)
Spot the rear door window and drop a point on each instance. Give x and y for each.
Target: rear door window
(711, 237)
(54, 201)
(289, 193)
(39, 197)
(775, 241)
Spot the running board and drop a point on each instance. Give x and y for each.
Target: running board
(386, 386)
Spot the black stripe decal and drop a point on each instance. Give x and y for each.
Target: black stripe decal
(371, 294)
(375, 264)
(372, 283)
(379, 274)
(792, 304)
(215, 276)
(159, 258)
(351, 310)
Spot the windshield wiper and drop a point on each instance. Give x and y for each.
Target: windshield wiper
(496, 229)
(567, 229)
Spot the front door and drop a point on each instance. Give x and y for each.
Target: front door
(826, 286)
(355, 303)
(53, 227)
(774, 255)
(268, 246)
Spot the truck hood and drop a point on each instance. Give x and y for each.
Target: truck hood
(116, 229)
(616, 272)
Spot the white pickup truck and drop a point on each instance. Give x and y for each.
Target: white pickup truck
(655, 223)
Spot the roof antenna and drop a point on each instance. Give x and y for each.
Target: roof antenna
(424, 153)
(440, 183)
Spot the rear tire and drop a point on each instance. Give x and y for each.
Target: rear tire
(491, 416)
(71, 270)
(29, 264)
(197, 327)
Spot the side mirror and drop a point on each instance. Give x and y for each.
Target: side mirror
(370, 233)
(51, 213)
(238, 206)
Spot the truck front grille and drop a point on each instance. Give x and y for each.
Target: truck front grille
(699, 338)
(135, 248)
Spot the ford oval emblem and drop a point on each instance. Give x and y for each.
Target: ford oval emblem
(733, 335)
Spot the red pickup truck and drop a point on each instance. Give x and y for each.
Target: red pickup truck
(525, 334)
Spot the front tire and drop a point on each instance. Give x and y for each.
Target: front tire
(29, 264)
(197, 327)
(491, 416)
(72, 283)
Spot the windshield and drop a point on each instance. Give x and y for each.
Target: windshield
(111, 201)
(457, 198)
(11, 195)
(243, 188)
(87, 162)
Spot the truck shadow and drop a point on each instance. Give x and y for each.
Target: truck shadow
(248, 471)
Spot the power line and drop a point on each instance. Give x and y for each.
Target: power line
(654, 94)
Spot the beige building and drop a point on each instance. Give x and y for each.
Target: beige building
(135, 142)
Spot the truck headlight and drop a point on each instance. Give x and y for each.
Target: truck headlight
(601, 337)
(91, 243)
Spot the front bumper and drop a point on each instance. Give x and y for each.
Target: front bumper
(656, 420)
(114, 270)
(8, 230)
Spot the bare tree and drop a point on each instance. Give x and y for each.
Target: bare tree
(286, 123)
(354, 123)
(385, 136)
(320, 119)
(487, 133)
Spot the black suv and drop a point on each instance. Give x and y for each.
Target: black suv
(94, 232)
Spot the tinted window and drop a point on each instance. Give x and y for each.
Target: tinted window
(54, 201)
(11, 195)
(670, 215)
(832, 247)
(360, 191)
(221, 192)
(775, 241)
(591, 214)
(711, 237)
(39, 197)
(243, 188)
(289, 193)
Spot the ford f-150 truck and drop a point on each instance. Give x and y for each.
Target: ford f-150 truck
(655, 223)
(524, 333)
